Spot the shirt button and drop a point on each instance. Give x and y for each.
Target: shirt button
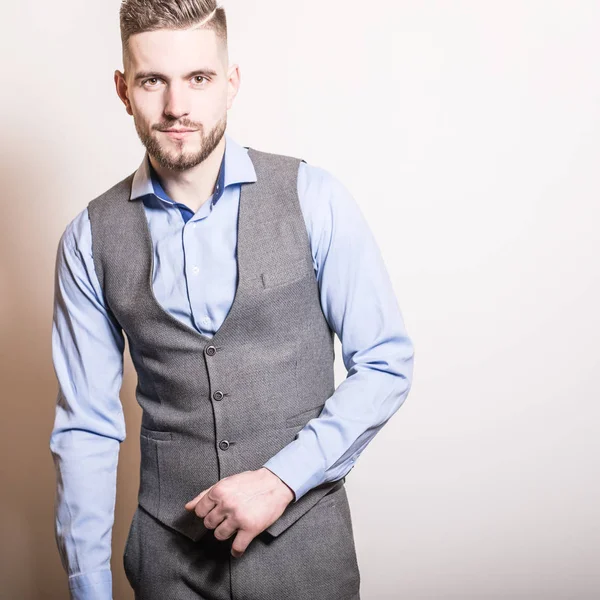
(196, 270)
(218, 395)
(210, 350)
(223, 444)
(194, 225)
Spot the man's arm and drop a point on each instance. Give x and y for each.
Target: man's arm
(87, 352)
(359, 304)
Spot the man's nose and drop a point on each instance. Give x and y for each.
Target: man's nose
(177, 101)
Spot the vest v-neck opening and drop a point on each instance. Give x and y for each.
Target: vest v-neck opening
(158, 305)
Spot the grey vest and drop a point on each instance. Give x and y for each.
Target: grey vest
(216, 407)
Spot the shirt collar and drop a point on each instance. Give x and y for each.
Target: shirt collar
(236, 167)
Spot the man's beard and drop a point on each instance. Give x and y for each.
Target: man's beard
(181, 161)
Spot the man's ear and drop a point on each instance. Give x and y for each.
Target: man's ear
(233, 84)
(121, 87)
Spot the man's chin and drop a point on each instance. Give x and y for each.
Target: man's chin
(173, 150)
(177, 161)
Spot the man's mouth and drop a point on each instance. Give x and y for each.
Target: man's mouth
(178, 133)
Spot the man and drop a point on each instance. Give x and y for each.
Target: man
(229, 270)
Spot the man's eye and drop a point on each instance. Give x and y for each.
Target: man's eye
(152, 81)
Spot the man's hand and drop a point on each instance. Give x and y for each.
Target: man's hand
(247, 502)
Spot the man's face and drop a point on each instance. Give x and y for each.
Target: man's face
(178, 79)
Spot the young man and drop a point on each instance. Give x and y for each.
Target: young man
(229, 270)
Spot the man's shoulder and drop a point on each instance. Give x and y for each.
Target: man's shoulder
(273, 162)
(270, 155)
(114, 193)
(319, 185)
(76, 235)
(312, 178)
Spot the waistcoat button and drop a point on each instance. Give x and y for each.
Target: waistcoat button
(218, 395)
(210, 350)
(224, 444)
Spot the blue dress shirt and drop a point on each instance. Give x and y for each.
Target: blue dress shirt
(194, 279)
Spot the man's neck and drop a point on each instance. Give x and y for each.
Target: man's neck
(195, 186)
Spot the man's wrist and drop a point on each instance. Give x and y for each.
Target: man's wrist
(288, 491)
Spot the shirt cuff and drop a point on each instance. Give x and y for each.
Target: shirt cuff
(294, 465)
(91, 586)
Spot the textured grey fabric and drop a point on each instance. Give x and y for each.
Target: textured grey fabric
(162, 564)
(263, 375)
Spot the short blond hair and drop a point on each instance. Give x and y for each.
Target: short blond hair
(138, 16)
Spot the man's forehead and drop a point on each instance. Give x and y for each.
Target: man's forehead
(178, 50)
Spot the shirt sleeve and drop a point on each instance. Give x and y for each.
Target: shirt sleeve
(359, 304)
(87, 354)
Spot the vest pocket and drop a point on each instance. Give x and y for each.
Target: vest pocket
(289, 273)
(149, 494)
(169, 478)
(155, 435)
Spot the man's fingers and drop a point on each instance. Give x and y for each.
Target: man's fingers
(191, 505)
(225, 529)
(241, 542)
(213, 518)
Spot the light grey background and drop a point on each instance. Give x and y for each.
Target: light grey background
(468, 133)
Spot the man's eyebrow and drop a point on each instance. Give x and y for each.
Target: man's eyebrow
(149, 74)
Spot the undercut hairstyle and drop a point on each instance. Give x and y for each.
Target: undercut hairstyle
(138, 16)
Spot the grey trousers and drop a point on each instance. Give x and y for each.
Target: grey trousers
(314, 559)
